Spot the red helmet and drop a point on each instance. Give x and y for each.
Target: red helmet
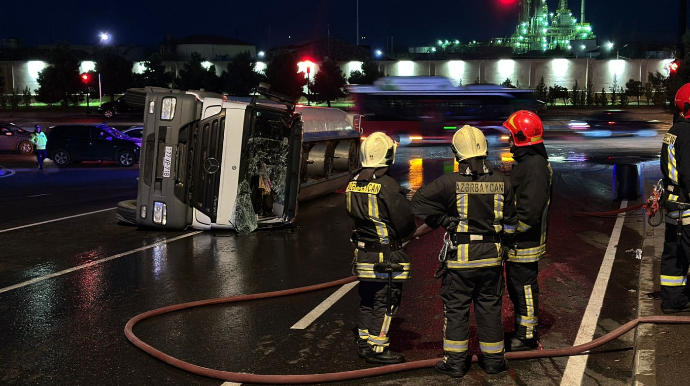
(525, 127)
(683, 97)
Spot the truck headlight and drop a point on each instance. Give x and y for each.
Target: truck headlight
(142, 211)
(160, 213)
(168, 108)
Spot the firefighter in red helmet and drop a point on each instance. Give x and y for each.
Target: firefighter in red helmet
(675, 168)
(531, 178)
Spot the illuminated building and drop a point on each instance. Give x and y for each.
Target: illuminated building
(538, 29)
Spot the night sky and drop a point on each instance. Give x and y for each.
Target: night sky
(269, 23)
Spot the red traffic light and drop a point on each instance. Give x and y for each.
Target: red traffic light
(673, 66)
(85, 78)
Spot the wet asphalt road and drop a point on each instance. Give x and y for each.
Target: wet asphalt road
(68, 329)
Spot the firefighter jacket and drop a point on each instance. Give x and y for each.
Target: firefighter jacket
(675, 168)
(382, 220)
(531, 179)
(474, 208)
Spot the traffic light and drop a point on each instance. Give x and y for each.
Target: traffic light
(673, 67)
(85, 77)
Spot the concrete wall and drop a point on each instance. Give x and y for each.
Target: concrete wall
(213, 52)
(523, 72)
(528, 72)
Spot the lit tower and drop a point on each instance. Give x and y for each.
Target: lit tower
(582, 11)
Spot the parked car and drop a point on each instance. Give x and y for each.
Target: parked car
(76, 143)
(118, 106)
(611, 123)
(134, 132)
(14, 138)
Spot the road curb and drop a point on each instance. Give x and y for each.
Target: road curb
(644, 365)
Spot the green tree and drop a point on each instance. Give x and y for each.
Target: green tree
(26, 97)
(590, 95)
(575, 94)
(634, 88)
(329, 83)
(59, 82)
(240, 78)
(155, 74)
(648, 92)
(557, 92)
(603, 99)
(194, 76)
(282, 75)
(614, 91)
(507, 83)
(659, 85)
(370, 73)
(15, 98)
(115, 70)
(541, 90)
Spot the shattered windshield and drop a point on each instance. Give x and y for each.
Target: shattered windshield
(261, 196)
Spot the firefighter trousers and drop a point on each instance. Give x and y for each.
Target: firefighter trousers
(460, 289)
(523, 290)
(373, 324)
(675, 260)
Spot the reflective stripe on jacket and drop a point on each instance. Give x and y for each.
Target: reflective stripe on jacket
(675, 167)
(532, 182)
(381, 213)
(480, 204)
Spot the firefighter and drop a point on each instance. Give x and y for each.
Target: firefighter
(531, 180)
(675, 168)
(382, 220)
(474, 205)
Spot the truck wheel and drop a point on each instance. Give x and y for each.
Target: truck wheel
(320, 161)
(345, 157)
(25, 147)
(127, 211)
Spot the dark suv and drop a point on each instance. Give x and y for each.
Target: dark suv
(76, 143)
(119, 106)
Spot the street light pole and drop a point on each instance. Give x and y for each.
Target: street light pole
(357, 40)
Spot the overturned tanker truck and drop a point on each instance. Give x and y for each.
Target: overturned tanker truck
(209, 162)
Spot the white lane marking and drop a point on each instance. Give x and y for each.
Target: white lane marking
(575, 369)
(92, 263)
(39, 195)
(321, 308)
(230, 384)
(54, 220)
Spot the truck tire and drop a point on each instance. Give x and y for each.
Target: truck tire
(127, 211)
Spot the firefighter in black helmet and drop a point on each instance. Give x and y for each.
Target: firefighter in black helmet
(475, 206)
(675, 167)
(382, 220)
(531, 179)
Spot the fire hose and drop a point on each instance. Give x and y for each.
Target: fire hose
(353, 374)
(651, 207)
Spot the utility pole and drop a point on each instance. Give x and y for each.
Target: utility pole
(357, 41)
(682, 26)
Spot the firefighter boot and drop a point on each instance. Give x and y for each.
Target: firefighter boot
(387, 357)
(675, 310)
(450, 370)
(495, 367)
(364, 348)
(517, 344)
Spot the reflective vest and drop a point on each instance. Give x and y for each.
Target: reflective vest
(40, 140)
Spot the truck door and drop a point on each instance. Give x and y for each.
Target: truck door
(205, 154)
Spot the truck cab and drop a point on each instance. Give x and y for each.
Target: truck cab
(209, 162)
